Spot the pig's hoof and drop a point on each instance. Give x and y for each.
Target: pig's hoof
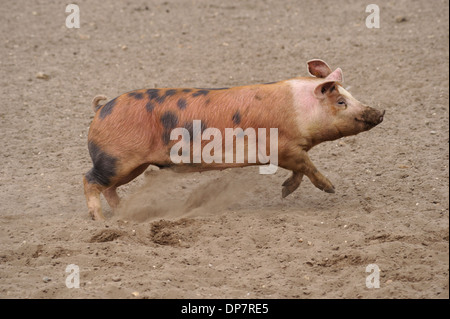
(97, 216)
(326, 186)
(329, 189)
(285, 191)
(289, 186)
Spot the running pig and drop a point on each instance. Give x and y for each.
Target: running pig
(133, 130)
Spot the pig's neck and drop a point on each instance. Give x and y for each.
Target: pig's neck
(314, 126)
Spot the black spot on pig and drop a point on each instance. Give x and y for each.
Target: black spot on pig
(181, 103)
(107, 108)
(137, 96)
(160, 99)
(187, 90)
(149, 106)
(170, 92)
(200, 92)
(104, 166)
(237, 118)
(152, 93)
(169, 120)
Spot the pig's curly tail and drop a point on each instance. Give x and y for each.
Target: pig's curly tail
(95, 101)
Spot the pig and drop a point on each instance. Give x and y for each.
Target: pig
(132, 131)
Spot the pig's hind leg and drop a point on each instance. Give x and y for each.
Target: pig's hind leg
(111, 193)
(92, 191)
(102, 176)
(112, 197)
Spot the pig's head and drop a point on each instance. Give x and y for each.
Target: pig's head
(336, 113)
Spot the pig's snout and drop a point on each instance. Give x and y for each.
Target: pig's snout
(371, 117)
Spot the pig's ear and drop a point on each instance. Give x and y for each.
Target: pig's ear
(318, 68)
(325, 88)
(337, 75)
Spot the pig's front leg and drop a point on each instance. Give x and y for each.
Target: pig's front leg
(301, 164)
(316, 177)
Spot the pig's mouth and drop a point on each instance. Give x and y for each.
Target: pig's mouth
(367, 124)
(370, 118)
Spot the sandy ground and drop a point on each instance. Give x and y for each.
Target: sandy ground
(225, 234)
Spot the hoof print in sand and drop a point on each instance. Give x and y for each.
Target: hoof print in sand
(173, 233)
(106, 235)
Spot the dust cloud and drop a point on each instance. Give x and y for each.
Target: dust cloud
(169, 195)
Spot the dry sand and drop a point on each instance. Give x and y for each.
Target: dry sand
(225, 234)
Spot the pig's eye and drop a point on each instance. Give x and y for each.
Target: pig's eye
(342, 103)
